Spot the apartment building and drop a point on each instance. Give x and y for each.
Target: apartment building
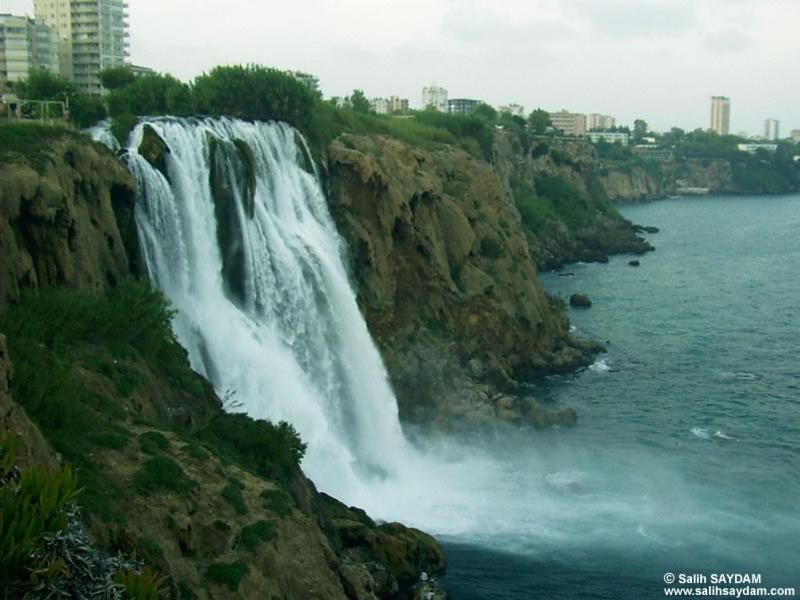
(92, 34)
(772, 130)
(721, 114)
(599, 122)
(610, 137)
(435, 97)
(569, 123)
(515, 110)
(25, 45)
(398, 105)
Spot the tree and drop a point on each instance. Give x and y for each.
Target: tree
(639, 129)
(485, 111)
(255, 92)
(116, 77)
(86, 111)
(539, 120)
(44, 85)
(359, 102)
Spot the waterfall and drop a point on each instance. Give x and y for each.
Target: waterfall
(235, 230)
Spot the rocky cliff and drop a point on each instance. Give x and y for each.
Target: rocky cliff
(89, 376)
(63, 218)
(445, 278)
(560, 191)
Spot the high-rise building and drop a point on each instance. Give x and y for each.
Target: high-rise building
(93, 36)
(398, 105)
(720, 114)
(772, 129)
(435, 97)
(25, 45)
(596, 122)
(569, 123)
(379, 105)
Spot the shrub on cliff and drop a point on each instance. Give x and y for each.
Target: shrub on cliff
(254, 92)
(151, 95)
(270, 450)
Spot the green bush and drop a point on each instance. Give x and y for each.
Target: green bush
(491, 248)
(162, 473)
(153, 442)
(85, 110)
(254, 92)
(230, 574)
(270, 450)
(233, 494)
(278, 501)
(255, 534)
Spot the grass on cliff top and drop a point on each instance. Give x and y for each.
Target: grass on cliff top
(31, 141)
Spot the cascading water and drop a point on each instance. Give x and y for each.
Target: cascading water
(236, 232)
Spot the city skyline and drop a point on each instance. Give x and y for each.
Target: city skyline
(657, 60)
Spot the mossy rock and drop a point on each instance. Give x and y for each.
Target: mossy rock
(580, 301)
(153, 149)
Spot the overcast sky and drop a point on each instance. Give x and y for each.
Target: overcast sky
(660, 60)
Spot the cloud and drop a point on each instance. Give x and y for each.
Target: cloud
(474, 21)
(729, 39)
(636, 18)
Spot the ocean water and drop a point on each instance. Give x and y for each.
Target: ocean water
(686, 458)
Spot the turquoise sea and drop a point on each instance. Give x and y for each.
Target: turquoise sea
(686, 458)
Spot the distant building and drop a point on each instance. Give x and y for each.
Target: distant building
(653, 152)
(398, 105)
(92, 35)
(139, 71)
(462, 106)
(720, 114)
(610, 137)
(753, 148)
(772, 130)
(569, 123)
(598, 122)
(435, 97)
(311, 81)
(26, 45)
(379, 105)
(795, 135)
(515, 110)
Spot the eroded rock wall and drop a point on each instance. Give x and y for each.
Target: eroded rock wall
(444, 276)
(57, 220)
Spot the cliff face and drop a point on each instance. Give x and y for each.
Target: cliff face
(444, 274)
(567, 213)
(633, 184)
(57, 219)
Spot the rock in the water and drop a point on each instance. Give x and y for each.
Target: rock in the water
(634, 263)
(566, 417)
(580, 301)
